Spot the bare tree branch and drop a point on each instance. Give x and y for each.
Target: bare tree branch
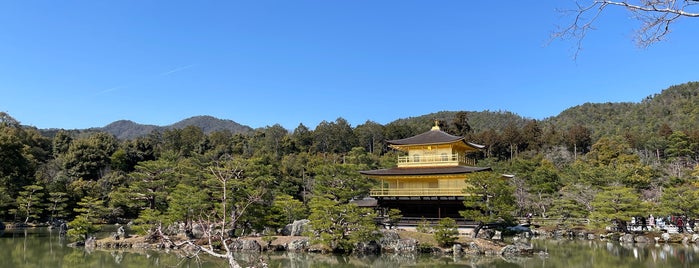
(656, 18)
(237, 195)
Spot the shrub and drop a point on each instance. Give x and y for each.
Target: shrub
(423, 226)
(446, 232)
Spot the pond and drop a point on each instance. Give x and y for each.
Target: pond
(40, 247)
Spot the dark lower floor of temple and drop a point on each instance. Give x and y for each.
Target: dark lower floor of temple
(424, 207)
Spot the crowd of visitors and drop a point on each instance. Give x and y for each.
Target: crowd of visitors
(682, 224)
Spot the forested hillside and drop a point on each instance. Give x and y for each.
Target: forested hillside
(676, 107)
(576, 164)
(125, 129)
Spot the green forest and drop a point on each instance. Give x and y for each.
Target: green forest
(598, 161)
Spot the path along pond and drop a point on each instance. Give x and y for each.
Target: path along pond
(40, 247)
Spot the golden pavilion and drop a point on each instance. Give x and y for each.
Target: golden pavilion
(430, 177)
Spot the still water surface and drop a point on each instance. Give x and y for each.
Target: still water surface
(40, 247)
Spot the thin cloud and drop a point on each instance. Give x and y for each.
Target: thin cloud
(110, 89)
(178, 69)
(167, 73)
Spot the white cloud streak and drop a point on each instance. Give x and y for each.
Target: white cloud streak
(178, 69)
(166, 73)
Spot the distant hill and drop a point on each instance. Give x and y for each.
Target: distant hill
(676, 107)
(126, 129)
(210, 124)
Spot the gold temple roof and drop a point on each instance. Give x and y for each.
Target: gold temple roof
(435, 136)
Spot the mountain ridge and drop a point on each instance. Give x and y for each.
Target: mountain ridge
(127, 129)
(677, 106)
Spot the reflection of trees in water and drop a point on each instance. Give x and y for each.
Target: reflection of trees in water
(39, 247)
(118, 256)
(250, 259)
(402, 259)
(288, 259)
(591, 253)
(399, 257)
(612, 248)
(30, 248)
(617, 254)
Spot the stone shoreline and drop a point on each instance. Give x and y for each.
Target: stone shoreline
(390, 242)
(395, 241)
(633, 237)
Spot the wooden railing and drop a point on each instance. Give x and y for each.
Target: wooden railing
(418, 192)
(436, 160)
(415, 221)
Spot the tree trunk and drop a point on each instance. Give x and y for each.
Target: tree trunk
(477, 229)
(621, 226)
(29, 206)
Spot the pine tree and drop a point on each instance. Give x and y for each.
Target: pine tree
(616, 203)
(57, 205)
(340, 226)
(29, 202)
(446, 232)
(489, 198)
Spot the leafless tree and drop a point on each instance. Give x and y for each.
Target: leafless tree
(226, 173)
(582, 194)
(656, 18)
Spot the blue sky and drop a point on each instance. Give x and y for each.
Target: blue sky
(79, 64)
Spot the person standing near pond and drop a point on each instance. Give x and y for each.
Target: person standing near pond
(691, 225)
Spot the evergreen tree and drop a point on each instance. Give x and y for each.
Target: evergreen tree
(88, 158)
(393, 216)
(340, 181)
(615, 203)
(340, 226)
(370, 136)
(91, 208)
(90, 211)
(57, 205)
(681, 200)
(15, 165)
(545, 178)
(148, 186)
(284, 210)
(302, 138)
(187, 203)
(82, 228)
(61, 143)
(679, 145)
(532, 135)
(488, 199)
(446, 232)
(579, 139)
(460, 124)
(29, 202)
(148, 221)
